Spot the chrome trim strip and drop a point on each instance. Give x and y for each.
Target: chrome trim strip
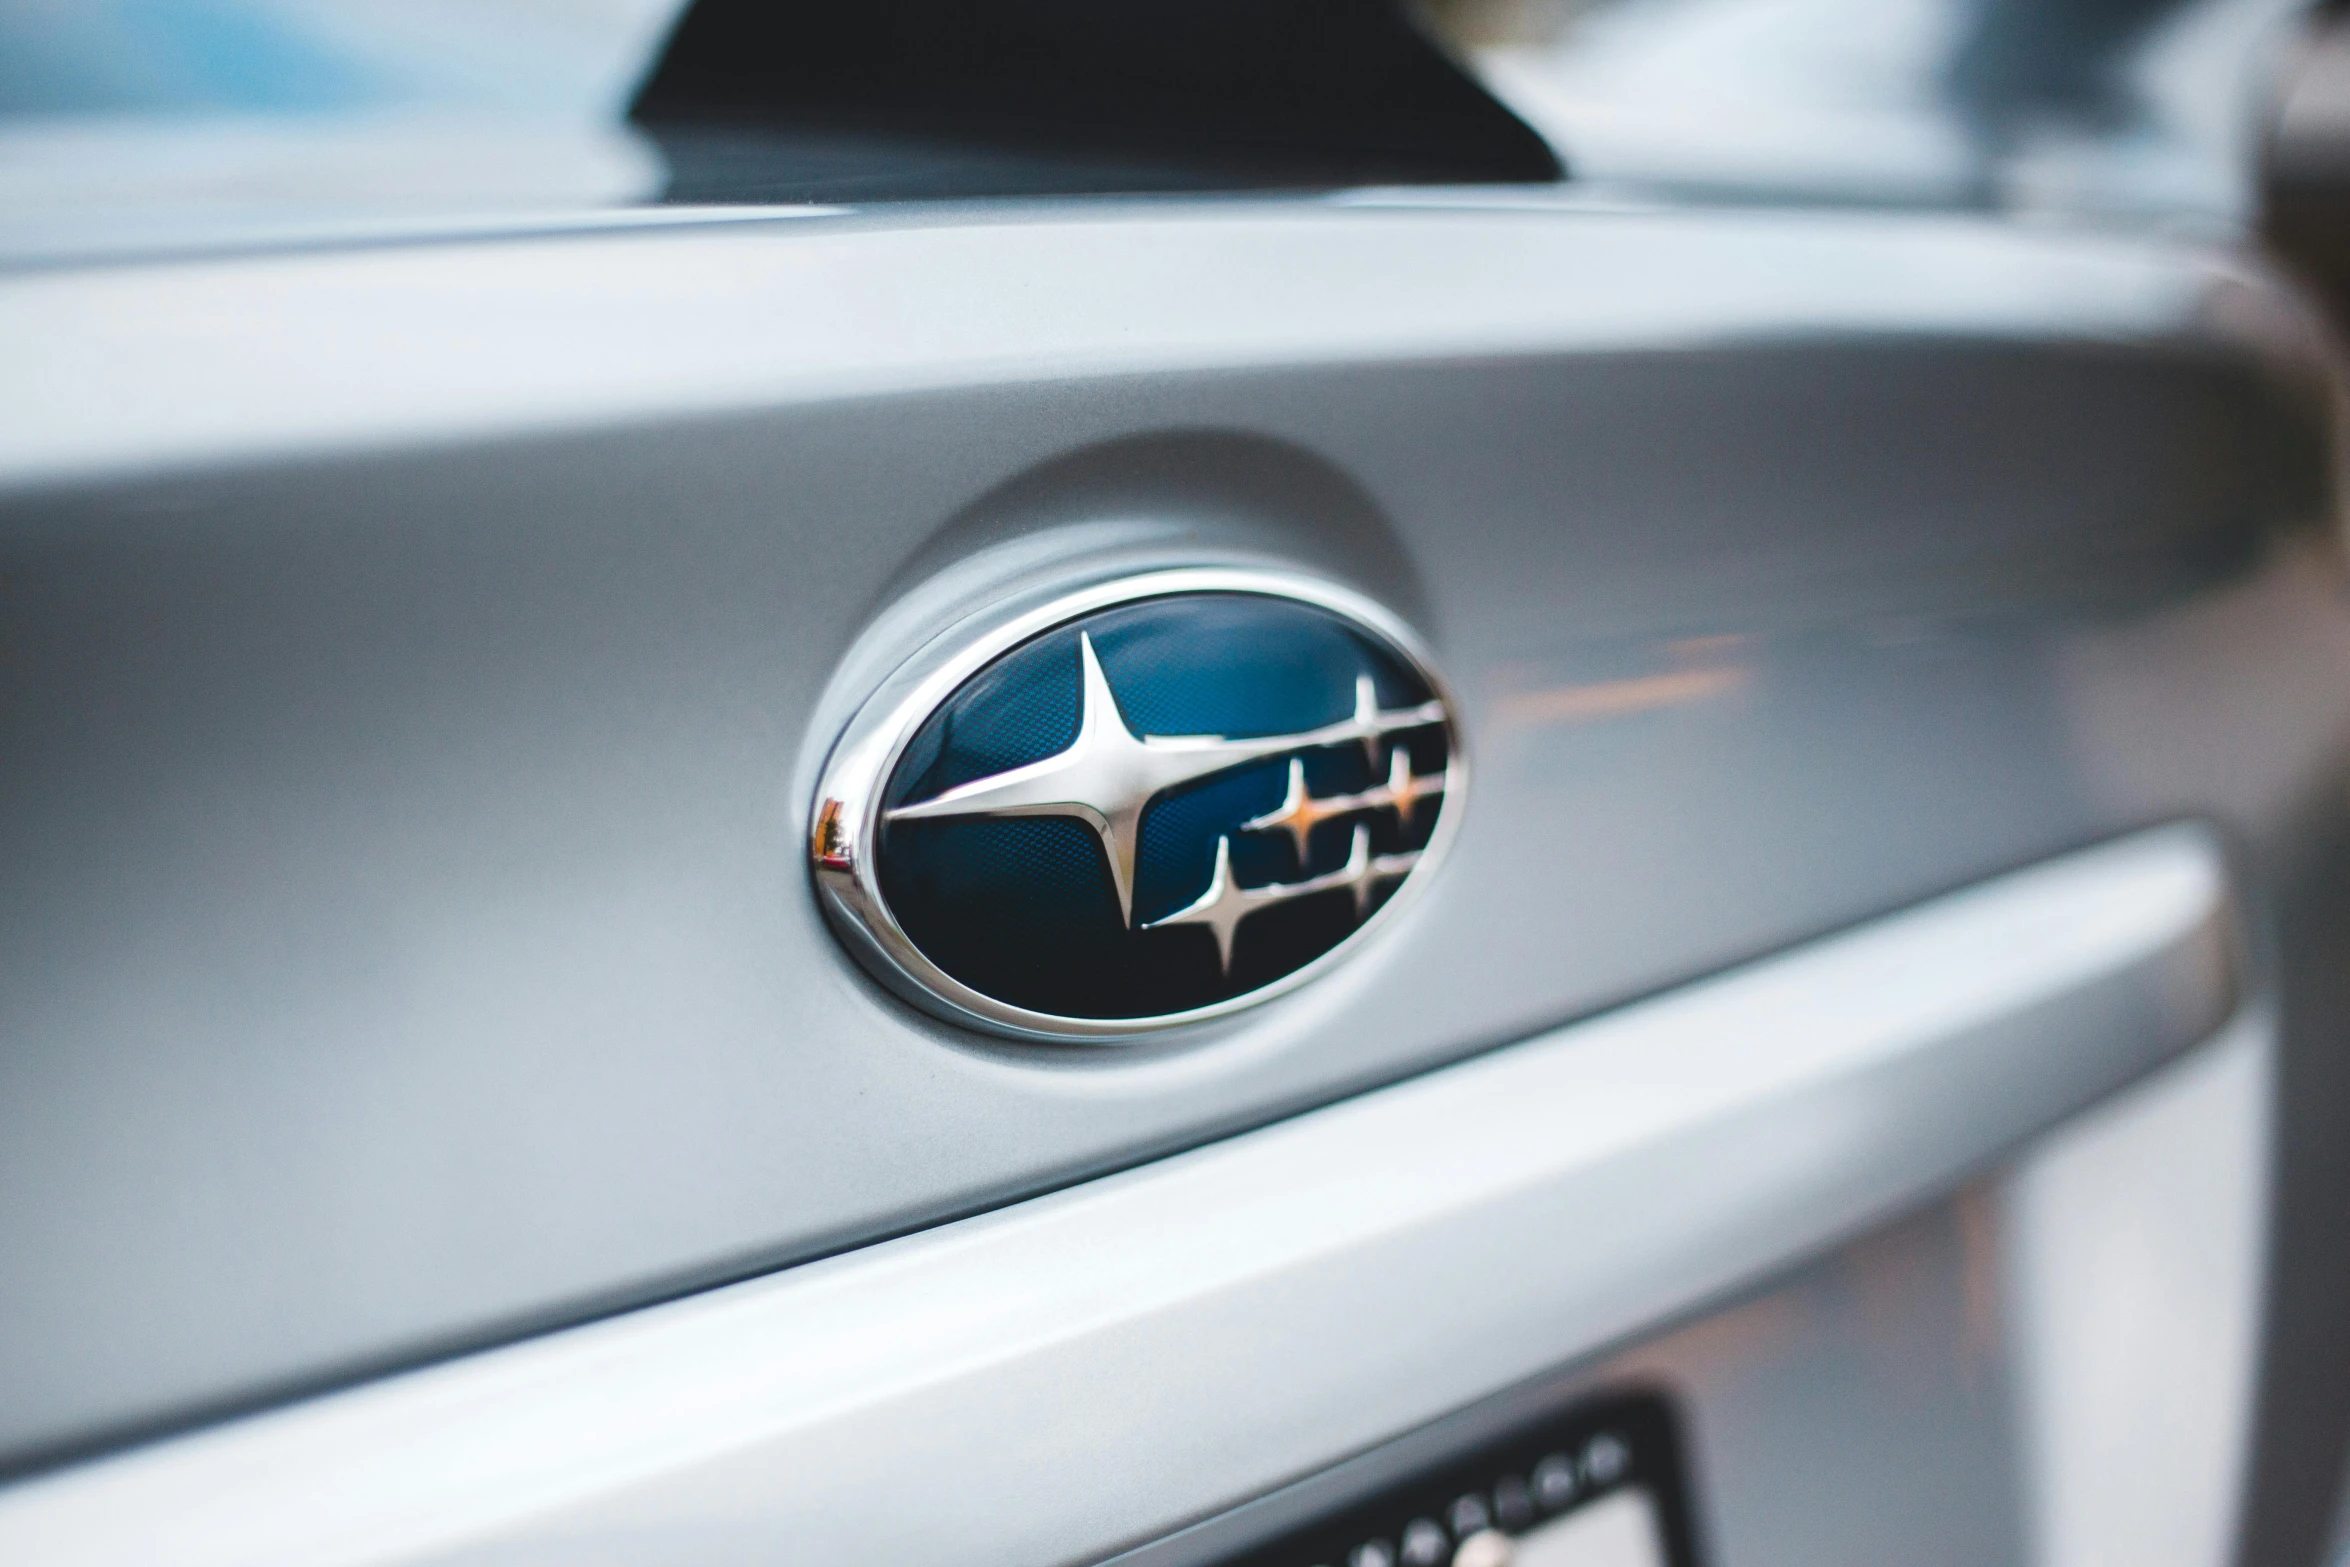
(1071, 1375)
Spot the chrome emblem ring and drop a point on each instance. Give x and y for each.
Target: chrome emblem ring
(1144, 805)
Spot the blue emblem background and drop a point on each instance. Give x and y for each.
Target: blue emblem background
(1024, 910)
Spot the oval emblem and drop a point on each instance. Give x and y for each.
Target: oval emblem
(1145, 805)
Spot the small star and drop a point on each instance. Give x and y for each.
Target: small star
(1299, 813)
(1406, 789)
(1369, 726)
(1221, 908)
(1359, 874)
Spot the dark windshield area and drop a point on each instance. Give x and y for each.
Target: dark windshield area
(125, 119)
(131, 123)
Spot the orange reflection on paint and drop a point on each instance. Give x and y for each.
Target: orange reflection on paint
(1709, 673)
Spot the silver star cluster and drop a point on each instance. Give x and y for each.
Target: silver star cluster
(1108, 776)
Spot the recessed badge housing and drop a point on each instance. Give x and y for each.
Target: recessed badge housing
(1146, 804)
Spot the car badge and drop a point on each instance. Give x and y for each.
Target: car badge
(1147, 804)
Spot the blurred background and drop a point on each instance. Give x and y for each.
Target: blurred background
(254, 112)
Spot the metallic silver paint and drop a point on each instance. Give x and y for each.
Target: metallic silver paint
(157, 368)
(1461, 1233)
(410, 708)
(2132, 1249)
